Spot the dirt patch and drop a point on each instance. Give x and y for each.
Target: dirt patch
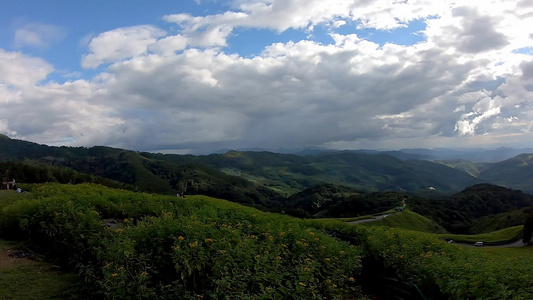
(11, 258)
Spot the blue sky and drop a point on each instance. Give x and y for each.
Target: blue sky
(77, 22)
(198, 76)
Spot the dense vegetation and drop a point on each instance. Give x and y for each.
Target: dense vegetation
(441, 270)
(461, 211)
(257, 173)
(410, 221)
(130, 245)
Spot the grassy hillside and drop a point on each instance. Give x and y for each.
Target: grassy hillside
(499, 221)
(410, 221)
(503, 235)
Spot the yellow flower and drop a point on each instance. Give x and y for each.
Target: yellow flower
(282, 233)
(114, 274)
(181, 238)
(311, 233)
(302, 284)
(144, 274)
(222, 251)
(327, 259)
(341, 252)
(208, 240)
(352, 279)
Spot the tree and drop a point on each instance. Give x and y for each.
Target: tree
(528, 227)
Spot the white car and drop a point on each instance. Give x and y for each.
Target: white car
(478, 244)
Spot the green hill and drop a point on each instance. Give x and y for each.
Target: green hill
(289, 173)
(502, 235)
(138, 171)
(408, 220)
(516, 172)
(459, 212)
(469, 167)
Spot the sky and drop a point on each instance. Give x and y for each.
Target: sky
(198, 76)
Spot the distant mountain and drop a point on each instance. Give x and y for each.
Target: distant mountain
(289, 173)
(248, 177)
(473, 155)
(467, 166)
(516, 172)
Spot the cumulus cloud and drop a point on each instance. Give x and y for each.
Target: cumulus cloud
(119, 44)
(180, 90)
(19, 70)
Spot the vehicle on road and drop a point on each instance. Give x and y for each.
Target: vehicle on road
(478, 244)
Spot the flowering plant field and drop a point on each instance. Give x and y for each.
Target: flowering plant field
(132, 245)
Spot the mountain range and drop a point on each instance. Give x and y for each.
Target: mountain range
(455, 193)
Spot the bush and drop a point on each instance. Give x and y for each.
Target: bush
(169, 247)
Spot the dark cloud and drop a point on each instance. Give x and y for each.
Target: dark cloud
(477, 33)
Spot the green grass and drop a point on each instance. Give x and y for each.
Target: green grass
(346, 219)
(408, 220)
(518, 253)
(503, 235)
(28, 279)
(352, 219)
(10, 197)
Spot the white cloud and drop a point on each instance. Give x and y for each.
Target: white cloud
(38, 35)
(119, 44)
(181, 90)
(19, 70)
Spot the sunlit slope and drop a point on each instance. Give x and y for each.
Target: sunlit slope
(408, 220)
